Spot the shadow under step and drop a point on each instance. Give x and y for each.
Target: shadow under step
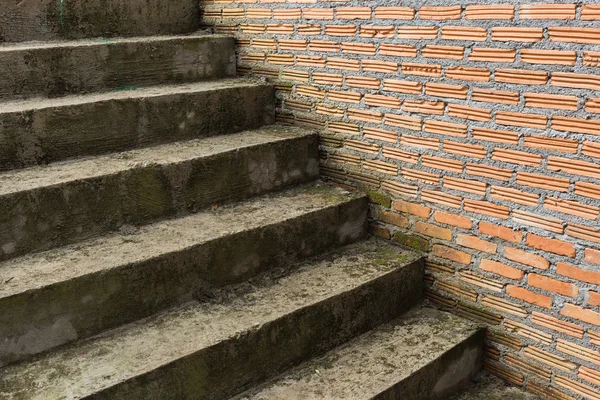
(424, 355)
(245, 335)
(65, 294)
(41, 131)
(55, 69)
(62, 203)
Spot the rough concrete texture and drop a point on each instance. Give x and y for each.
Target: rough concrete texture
(241, 337)
(425, 354)
(74, 292)
(76, 19)
(47, 130)
(62, 68)
(70, 201)
(488, 387)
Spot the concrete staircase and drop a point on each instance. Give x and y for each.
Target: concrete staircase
(161, 239)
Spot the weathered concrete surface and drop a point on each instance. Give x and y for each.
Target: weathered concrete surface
(41, 19)
(46, 130)
(62, 68)
(244, 336)
(489, 387)
(66, 202)
(70, 293)
(425, 354)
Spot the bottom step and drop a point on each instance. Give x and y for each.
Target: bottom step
(425, 354)
(489, 387)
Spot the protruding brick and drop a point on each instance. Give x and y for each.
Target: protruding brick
(379, 231)
(502, 232)
(551, 245)
(592, 256)
(473, 242)
(451, 254)
(577, 273)
(524, 257)
(580, 313)
(412, 208)
(433, 231)
(453, 219)
(416, 242)
(552, 285)
(393, 219)
(529, 296)
(501, 269)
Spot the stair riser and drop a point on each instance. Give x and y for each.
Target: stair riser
(39, 320)
(445, 376)
(53, 216)
(228, 367)
(44, 135)
(41, 19)
(106, 66)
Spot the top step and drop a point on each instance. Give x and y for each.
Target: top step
(75, 19)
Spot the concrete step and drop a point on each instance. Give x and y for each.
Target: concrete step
(243, 336)
(489, 387)
(57, 296)
(424, 355)
(70, 67)
(66, 202)
(39, 131)
(73, 19)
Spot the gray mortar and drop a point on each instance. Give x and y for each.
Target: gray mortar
(74, 200)
(40, 19)
(80, 67)
(41, 131)
(243, 336)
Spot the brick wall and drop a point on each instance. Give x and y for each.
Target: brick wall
(476, 128)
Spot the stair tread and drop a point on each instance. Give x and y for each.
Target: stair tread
(100, 41)
(90, 167)
(372, 363)
(143, 92)
(38, 270)
(100, 362)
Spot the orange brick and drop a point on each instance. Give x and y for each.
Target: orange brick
(500, 231)
(449, 253)
(592, 256)
(577, 273)
(499, 268)
(551, 245)
(473, 242)
(524, 257)
(593, 298)
(433, 231)
(412, 208)
(580, 313)
(380, 231)
(529, 296)
(393, 219)
(552, 285)
(453, 219)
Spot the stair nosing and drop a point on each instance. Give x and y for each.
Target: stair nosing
(148, 329)
(38, 177)
(41, 103)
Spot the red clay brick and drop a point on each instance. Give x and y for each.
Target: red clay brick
(551, 245)
(579, 274)
(453, 219)
(580, 313)
(592, 256)
(393, 219)
(500, 231)
(499, 268)
(474, 242)
(552, 285)
(451, 254)
(524, 257)
(380, 231)
(433, 231)
(412, 208)
(529, 296)
(593, 298)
